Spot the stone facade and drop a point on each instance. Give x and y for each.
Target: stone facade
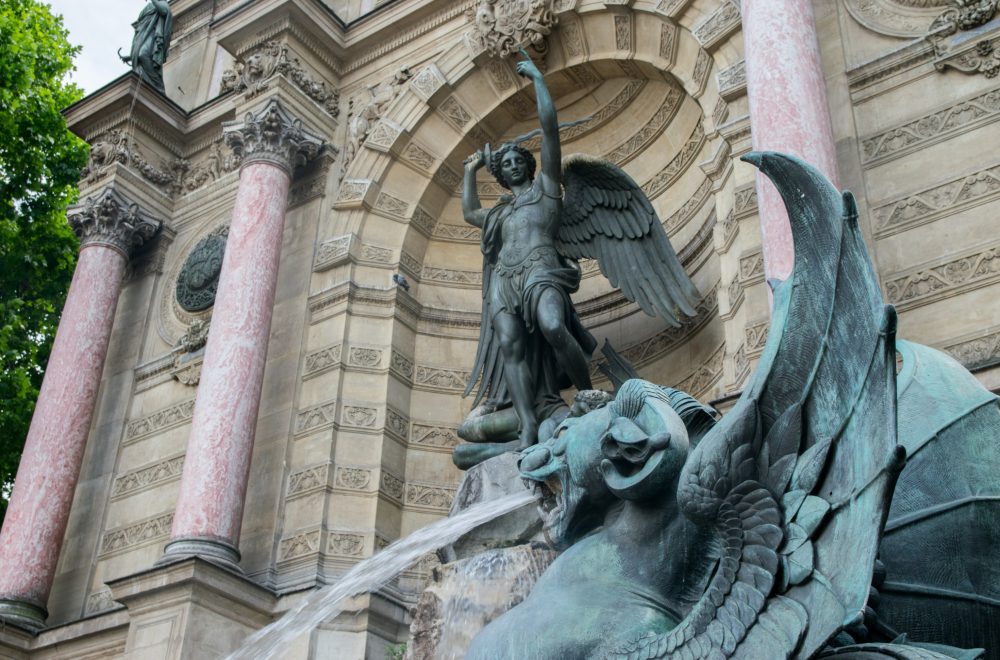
(362, 384)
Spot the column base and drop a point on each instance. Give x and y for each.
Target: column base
(22, 614)
(219, 553)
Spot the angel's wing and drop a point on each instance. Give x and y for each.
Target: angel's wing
(797, 478)
(607, 217)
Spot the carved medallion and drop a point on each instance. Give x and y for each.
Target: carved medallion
(199, 277)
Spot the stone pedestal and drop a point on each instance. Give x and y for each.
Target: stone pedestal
(210, 506)
(190, 609)
(788, 109)
(109, 227)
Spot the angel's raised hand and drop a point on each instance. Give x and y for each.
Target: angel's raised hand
(527, 68)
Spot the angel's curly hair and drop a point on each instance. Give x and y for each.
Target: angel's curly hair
(497, 156)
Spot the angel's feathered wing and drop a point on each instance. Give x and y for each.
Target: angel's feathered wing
(797, 478)
(607, 217)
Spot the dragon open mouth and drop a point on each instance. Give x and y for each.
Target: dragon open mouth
(548, 495)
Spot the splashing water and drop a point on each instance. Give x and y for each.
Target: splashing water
(371, 574)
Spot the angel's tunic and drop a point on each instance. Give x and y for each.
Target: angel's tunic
(516, 289)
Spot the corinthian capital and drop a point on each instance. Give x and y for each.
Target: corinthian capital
(273, 136)
(109, 219)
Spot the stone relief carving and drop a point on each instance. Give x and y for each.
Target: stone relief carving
(440, 378)
(101, 601)
(418, 156)
(392, 205)
(431, 496)
(330, 252)
(219, 161)
(704, 376)
(274, 136)
(623, 32)
(304, 543)
(681, 216)
(501, 27)
(668, 41)
(723, 22)
(316, 417)
(732, 79)
(983, 58)
(109, 219)
(977, 352)
(117, 146)
(259, 66)
(896, 18)
(462, 278)
(368, 358)
(353, 478)
(139, 533)
(677, 165)
(198, 279)
(401, 365)
(433, 436)
(360, 416)
(906, 137)
(147, 477)
(457, 233)
(572, 39)
(936, 202)
(322, 360)
(964, 15)
(391, 485)
(396, 423)
(946, 278)
(365, 109)
(308, 479)
(160, 420)
(651, 130)
(702, 67)
(346, 545)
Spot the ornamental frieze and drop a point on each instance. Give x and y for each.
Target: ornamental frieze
(198, 279)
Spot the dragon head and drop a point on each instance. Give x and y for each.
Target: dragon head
(632, 448)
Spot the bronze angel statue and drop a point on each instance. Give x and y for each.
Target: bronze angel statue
(532, 343)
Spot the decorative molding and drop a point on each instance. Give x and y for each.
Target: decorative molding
(332, 252)
(978, 351)
(961, 273)
(315, 418)
(119, 147)
(456, 233)
(391, 485)
(396, 424)
(391, 205)
(308, 480)
(321, 360)
(416, 155)
(573, 40)
(698, 383)
(701, 71)
(101, 601)
(353, 478)
(345, 544)
(128, 537)
(433, 436)
(401, 365)
(931, 128)
(893, 18)
(169, 417)
(732, 80)
(272, 136)
(440, 379)
(681, 216)
(358, 417)
(353, 192)
(501, 27)
(677, 165)
(109, 219)
(745, 201)
(364, 113)
(364, 358)
(148, 477)
(623, 31)
(429, 496)
(668, 41)
(750, 272)
(722, 23)
(428, 82)
(455, 113)
(639, 140)
(981, 57)
(939, 201)
(728, 229)
(462, 279)
(299, 545)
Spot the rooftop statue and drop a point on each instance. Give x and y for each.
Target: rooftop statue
(752, 538)
(151, 42)
(531, 343)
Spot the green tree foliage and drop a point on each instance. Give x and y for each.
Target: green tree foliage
(40, 162)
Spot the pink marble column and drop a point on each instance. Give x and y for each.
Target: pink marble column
(209, 509)
(788, 108)
(46, 479)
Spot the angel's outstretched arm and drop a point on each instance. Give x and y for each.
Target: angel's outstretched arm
(471, 208)
(551, 150)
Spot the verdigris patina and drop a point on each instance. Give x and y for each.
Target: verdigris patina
(757, 540)
(532, 344)
(151, 42)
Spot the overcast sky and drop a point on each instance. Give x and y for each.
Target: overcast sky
(101, 27)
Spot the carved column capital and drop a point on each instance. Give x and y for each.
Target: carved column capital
(272, 136)
(111, 220)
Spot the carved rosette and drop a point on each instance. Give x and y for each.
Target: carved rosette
(504, 26)
(111, 220)
(272, 136)
(965, 15)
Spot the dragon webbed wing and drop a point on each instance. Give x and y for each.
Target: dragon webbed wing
(797, 478)
(606, 216)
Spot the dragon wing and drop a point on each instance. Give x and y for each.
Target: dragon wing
(607, 217)
(797, 478)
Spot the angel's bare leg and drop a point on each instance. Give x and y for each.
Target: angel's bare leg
(517, 374)
(551, 318)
